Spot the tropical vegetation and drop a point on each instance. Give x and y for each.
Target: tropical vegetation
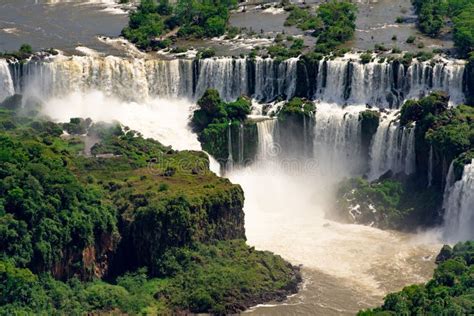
(127, 226)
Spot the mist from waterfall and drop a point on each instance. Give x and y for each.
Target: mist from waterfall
(286, 206)
(459, 205)
(162, 119)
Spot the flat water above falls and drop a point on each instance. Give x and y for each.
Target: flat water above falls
(61, 24)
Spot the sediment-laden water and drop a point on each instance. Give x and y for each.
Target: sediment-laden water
(345, 267)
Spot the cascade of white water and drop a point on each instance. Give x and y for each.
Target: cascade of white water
(342, 80)
(289, 73)
(384, 83)
(370, 91)
(230, 159)
(331, 79)
(6, 82)
(392, 148)
(241, 143)
(408, 147)
(226, 75)
(273, 79)
(337, 140)
(266, 143)
(458, 205)
(173, 78)
(430, 167)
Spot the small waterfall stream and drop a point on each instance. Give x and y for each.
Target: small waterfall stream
(230, 159)
(6, 83)
(267, 149)
(459, 205)
(430, 167)
(241, 144)
(392, 149)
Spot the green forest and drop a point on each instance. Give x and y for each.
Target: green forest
(127, 226)
(434, 15)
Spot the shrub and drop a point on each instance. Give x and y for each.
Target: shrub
(411, 39)
(366, 58)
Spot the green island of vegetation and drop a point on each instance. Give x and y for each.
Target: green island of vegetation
(127, 226)
(449, 292)
(154, 24)
(332, 24)
(434, 15)
(406, 202)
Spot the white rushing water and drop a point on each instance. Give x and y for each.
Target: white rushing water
(459, 205)
(163, 119)
(393, 148)
(337, 140)
(346, 267)
(341, 81)
(6, 83)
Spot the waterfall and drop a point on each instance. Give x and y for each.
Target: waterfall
(305, 133)
(372, 83)
(430, 167)
(267, 149)
(337, 140)
(230, 159)
(273, 79)
(392, 148)
(386, 84)
(343, 80)
(6, 82)
(227, 75)
(331, 81)
(241, 144)
(458, 205)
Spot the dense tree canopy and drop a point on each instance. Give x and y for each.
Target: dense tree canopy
(433, 15)
(333, 23)
(166, 233)
(449, 292)
(151, 21)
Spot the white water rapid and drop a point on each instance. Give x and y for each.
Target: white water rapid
(342, 80)
(393, 148)
(459, 206)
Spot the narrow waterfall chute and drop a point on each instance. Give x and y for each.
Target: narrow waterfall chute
(337, 143)
(266, 143)
(458, 205)
(392, 148)
(6, 83)
(230, 159)
(430, 167)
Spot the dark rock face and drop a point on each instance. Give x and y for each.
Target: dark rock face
(468, 86)
(369, 122)
(155, 226)
(445, 254)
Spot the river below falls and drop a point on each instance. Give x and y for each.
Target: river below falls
(345, 267)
